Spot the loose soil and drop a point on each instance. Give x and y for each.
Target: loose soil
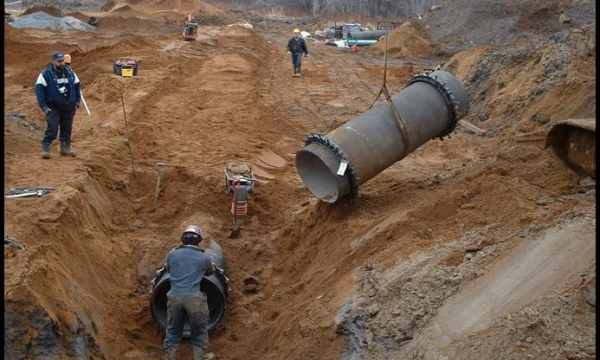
(474, 247)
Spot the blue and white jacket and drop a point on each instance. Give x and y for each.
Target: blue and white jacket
(48, 93)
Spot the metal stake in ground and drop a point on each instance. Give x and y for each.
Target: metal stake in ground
(127, 134)
(87, 109)
(159, 167)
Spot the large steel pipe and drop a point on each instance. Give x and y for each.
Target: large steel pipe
(333, 166)
(367, 34)
(216, 287)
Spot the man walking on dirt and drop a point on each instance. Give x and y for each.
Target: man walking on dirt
(187, 264)
(57, 91)
(296, 47)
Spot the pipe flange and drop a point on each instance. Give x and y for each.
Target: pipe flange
(339, 153)
(221, 273)
(448, 96)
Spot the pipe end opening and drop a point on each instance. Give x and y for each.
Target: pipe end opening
(216, 304)
(315, 169)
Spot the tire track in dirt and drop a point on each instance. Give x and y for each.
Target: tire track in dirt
(314, 95)
(148, 95)
(310, 103)
(299, 116)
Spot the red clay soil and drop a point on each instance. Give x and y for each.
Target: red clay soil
(409, 40)
(79, 284)
(50, 10)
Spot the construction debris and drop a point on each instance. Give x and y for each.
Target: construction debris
(14, 242)
(468, 127)
(243, 24)
(26, 192)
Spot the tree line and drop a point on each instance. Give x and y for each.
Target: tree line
(373, 8)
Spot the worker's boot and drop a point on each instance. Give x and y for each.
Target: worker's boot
(298, 71)
(200, 355)
(45, 150)
(65, 148)
(295, 71)
(171, 354)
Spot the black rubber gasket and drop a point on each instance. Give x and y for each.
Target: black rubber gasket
(448, 97)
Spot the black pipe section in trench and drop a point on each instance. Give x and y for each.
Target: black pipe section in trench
(333, 166)
(216, 287)
(367, 34)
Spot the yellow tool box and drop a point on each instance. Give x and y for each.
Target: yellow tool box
(126, 68)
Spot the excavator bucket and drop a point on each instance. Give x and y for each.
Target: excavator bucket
(574, 140)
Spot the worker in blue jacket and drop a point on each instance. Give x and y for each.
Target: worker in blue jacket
(58, 94)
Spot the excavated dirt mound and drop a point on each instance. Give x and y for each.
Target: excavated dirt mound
(207, 9)
(108, 5)
(188, 5)
(137, 25)
(121, 8)
(47, 9)
(454, 229)
(463, 23)
(79, 15)
(10, 31)
(410, 40)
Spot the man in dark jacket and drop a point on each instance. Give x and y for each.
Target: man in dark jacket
(187, 264)
(296, 47)
(58, 94)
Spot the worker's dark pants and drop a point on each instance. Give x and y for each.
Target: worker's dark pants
(297, 61)
(59, 120)
(192, 307)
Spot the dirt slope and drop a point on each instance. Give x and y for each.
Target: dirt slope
(376, 278)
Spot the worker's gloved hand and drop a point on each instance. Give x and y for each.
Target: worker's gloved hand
(211, 269)
(159, 274)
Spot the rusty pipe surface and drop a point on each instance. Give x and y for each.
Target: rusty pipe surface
(335, 165)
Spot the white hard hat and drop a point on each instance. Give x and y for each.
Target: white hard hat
(191, 234)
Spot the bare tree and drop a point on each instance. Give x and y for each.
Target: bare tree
(375, 8)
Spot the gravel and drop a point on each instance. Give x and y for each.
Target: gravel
(41, 20)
